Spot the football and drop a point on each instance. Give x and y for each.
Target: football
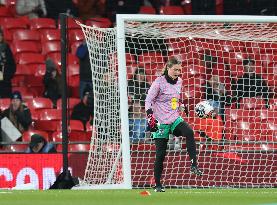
(204, 109)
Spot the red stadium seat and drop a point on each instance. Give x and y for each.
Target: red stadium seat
(267, 59)
(130, 59)
(40, 103)
(79, 147)
(50, 35)
(13, 24)
(219, 8)
(51, 47)
(26, 35)
(74, 80)
(25, 92)
(147, 10)
(78, 136)
(50, 114)
(75, 147)
(150, 58)
(42, 23)
(172, 10)
(191, 95)
(76, 35)
(75, 125)
(16, 148)
(30, 58)
(5, 12)
(73, 69)
(252, 103)
(40, 71)
(50, 120)
(231, 46)
(4, 103)
(73, 136)
(56, 57)
(29, 75)
(57, 136)
(25, 47)
(270, 130)
(193, 71)
(99, 22)
(245, 131)
(273, 104)
(26, 136)
(266, 115)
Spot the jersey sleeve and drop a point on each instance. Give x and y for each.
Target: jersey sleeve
(152, 94)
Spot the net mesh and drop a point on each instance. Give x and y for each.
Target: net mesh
(235, 149)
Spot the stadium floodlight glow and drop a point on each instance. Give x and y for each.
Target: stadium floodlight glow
(207, 46)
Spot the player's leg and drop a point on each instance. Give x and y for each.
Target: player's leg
(183, 129)
(161, 145)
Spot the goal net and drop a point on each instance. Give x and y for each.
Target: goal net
(230, 61)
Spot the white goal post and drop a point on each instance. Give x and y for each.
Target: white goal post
(235, 151)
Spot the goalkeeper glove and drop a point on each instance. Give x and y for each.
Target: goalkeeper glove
(152, 122)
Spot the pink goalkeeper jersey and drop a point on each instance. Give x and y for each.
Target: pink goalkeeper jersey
(163, 98)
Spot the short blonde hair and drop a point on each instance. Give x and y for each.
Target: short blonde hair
(170, 63)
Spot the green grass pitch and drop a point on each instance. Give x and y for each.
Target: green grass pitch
(133, 197)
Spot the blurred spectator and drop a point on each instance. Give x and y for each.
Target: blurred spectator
(121, 7)
(250, 84)
(52, 82)
(39, 145)
(216, 93)
(2, 2)
(91, 8)
(138, 85)
(238, 7)
(265, 7)
(83, 111)
(7, 68)
(31, 8)
(85, 68)
(137, 122)
(203, 7)
(54, 8)
(18, 113)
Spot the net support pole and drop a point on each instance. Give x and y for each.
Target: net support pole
(123, 103)
(63, 23)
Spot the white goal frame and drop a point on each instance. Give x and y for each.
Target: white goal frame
(122, 73)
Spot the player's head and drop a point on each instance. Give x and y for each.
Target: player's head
(249, 65)
(173, 68)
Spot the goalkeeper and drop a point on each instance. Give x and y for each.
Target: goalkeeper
(162, 108)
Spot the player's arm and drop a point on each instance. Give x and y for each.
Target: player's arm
(152, 94)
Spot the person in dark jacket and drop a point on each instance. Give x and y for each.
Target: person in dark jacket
(18, 113)
(85, 69)
(54, 8)
(250, 84)
(39, 145)
(83, 111)
(114, 7)
(52, 82)
(7, 68)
